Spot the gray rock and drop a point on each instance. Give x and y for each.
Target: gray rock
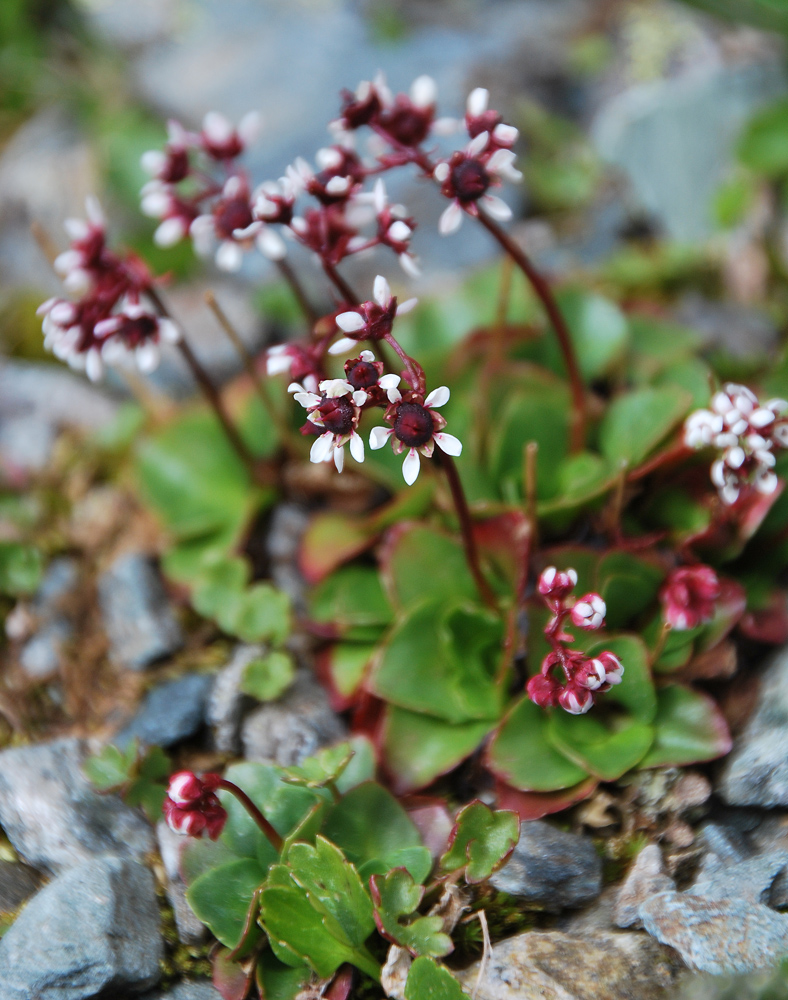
(551, 868)
(94, 930)
(170, 713)
(190, 929)
(293, 727)
(60, 578)
(18, 882)
(186, 990)
(724, 842)
(227, 703)
(751, 880)
(36, 400)
(40, 656)
(717, 936)
(756, 771)
(53, 817)
(137, 615)
(646, 877)
(288, 524)
(739, 330)
(551, 965)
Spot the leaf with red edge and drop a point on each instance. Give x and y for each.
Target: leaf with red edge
(689, 727)
(229, 978)
(419, 562)
(769, 623)
(341, 985)
(728, 609)
(481, 841)
(535, 805)
(752, 510)
(330, 540)
(504, 541)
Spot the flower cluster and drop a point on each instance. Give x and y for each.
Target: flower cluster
(746, 434)
(582, 676)
(107, 323)
(192, 807)
(689, 596)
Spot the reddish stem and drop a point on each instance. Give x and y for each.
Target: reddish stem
(275, 840)
(545, 295)
(297, 289)
(466, 529)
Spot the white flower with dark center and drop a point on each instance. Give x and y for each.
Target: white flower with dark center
(371, 320)
(416, 427)
(332, 408)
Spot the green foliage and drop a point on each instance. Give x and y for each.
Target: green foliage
(429, 981)
(482, 839)
(636, 422)
(139, 775)
(397, 897)
(267, 677)
(20, 568)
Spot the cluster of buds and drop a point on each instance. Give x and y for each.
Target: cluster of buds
(579, 677)
(746, 434)
(689, 596)
(191, 806)
(107, 322)
(335, 405)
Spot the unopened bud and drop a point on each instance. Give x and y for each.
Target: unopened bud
(589, 612)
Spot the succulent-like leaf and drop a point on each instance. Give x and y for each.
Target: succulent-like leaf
(688, 728)
(637, 421)
(429, 981)
(221, 897)
(606, 750)
(482, 839)
(324, 768)
(396, 897)
(352, 596)
(21, 568)
(422, 563)
(267, 677)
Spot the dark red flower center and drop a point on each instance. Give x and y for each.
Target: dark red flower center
(231, 214)
(413, 424)
(337, 415)
(137, 331)
(363, 375)
(408, 124)
(470, 180)
(177, 166)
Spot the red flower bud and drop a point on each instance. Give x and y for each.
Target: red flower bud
(575, 699)
(191, 806)
(556, 584)
(589, 612)
(543, 691)
(688, 596)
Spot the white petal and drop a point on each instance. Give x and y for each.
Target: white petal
(170, 232)
(93, 366)
(217, 127)
(423, 92)
(321, 448)
(359, 397)
(306, 399)
(441, 172)
(406, 306)
(339, 458)
(249, 127)
(381, 291)
(229, 256)
(477, 101)
(399, 231)
(378, 436)
(76, 229)
(93, 211)
(335, 387)
(766, 483)
(379, 196)
(409, 265)
(496, 207)
(350, 322)
(390, 381)
(448, 443)
(153, 161)
(367, 356)
(357, 447)
(438, 397)
(478, 144)
(506, 134)
(411, 467)
(155, 204)
(338, 185)
(343, 346)
(67, 261)
(394, 395)
(271, 245)
(147, 357)
(168, 331)
(451, 219)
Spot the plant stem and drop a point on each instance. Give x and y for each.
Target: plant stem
(275, 840)
(545, 295)
(297, 289)
(466, 528)
(249, 365)
(209, 390)
(348, 295)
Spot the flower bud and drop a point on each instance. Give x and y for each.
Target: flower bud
(589, 612)
(191, 806)
(613, 667)
(543, 691)
(688, 596)
(575, 699)
(555, 584)
(591, 675)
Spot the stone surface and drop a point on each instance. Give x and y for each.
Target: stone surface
(551, 965)
(36, 400)
(288, 524)
(170, 712)
(190, 929)
(227, 703)
(53, 817)
(40, 655)
(18, 882)
(725, 842)
(645, 878)
(94, 930)
(138, 618)
(756, 771)
(551, 868)
(293, 727)
(751, 880)
(717, 936)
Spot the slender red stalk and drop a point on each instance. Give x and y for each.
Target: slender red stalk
(273, 837)
(466, 529)
(297, 289)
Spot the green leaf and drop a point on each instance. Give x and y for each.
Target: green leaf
(598, 328)
(331, 539)
(351, 596)
(112, 767)
(606, 750)
(636, 422)
(764, 144)
(691, 374)
(268, 677)
(422, 562)
(522, 755)
(368, 824)
(657, 345)
(628, 584)
(221, 897)
(482, 839)
(347, 663)
(419, 747)
(636, 691)
(317, 910)
(20, 568)
(277, 981)
(396, 896)
(429, 981)
(416, 860)
(688, 728)
(220, 581)
(542, 415)
(581, 478)
(441, 659)
(324, 768)
(259, 612)
(362, 766)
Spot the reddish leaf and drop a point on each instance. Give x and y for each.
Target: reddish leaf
(341, 984)
(769, 624)
(505, 541)
(728, 610)
(534, 805)
(433, 821)
(330, 540)
(229, 977)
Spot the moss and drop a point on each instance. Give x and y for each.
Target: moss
(180, 960)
